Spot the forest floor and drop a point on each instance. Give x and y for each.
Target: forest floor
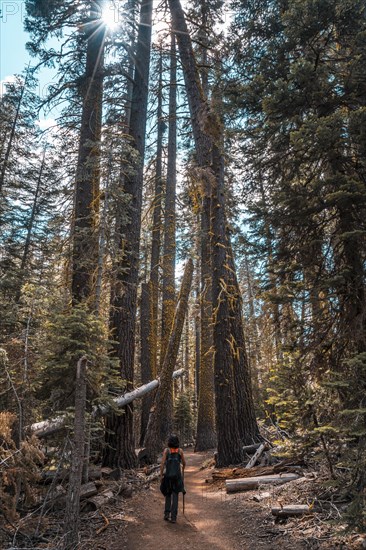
(212, 520)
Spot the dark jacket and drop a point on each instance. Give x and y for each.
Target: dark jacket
(167, 486)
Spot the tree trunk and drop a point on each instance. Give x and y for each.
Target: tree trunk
(197, 316)
(155, 243)
(119, 429)
(206, 435)
(160, 422)
(146, 371)
(12, 135)
(168, 290)
(102, 239)
(30, 228)
(71, 522)
(207, 131)
(229, 444)
(248, 427)
(247, 423)
(86, 206)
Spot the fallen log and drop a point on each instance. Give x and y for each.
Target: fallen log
(88, 490)
(94, 503)
(263, 447)
(290, 510)
(233, 473)
(49, 427)
(237, 473)
(249, 483)
(250, 449)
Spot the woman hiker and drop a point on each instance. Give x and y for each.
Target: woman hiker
(172, 481)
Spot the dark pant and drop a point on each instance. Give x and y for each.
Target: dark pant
(171, 505)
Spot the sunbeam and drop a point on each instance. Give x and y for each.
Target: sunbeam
(110, 16)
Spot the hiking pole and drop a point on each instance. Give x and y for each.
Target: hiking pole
(184, 492)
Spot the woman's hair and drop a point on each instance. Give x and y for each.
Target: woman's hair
(173, 441)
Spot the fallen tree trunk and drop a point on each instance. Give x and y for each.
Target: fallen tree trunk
(247, 484)
(49, 427)
(290, 510)
(88, 490)
(263, 447)
(250, 449)
(94, 503)
(236, 473)
(286, 467)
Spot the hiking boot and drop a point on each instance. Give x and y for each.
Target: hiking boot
(166, 517)
(173, 520)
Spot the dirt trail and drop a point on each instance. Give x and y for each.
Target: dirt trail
(212, 519)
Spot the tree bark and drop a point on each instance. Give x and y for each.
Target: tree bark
(207, 132)
(206, 435)
(119, 429)
(156, 230)
(168, 284)
(86, 205)
(229, 446)
(102, 239)
(160, 422)
(248, 427)
(145, 342)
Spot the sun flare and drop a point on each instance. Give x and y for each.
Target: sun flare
(110, 17)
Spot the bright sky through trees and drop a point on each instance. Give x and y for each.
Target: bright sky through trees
(110, 16)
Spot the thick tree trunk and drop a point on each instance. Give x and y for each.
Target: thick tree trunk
(119, 429)
(168, 290)
(206, 435)
(160, 424)
(71, 522)
(86, 206)
(247, 423)
(207, 132)
(229, 444)
(248, 427)
(145, 342)
(102, 239)
(197, 315)
(156, 230)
